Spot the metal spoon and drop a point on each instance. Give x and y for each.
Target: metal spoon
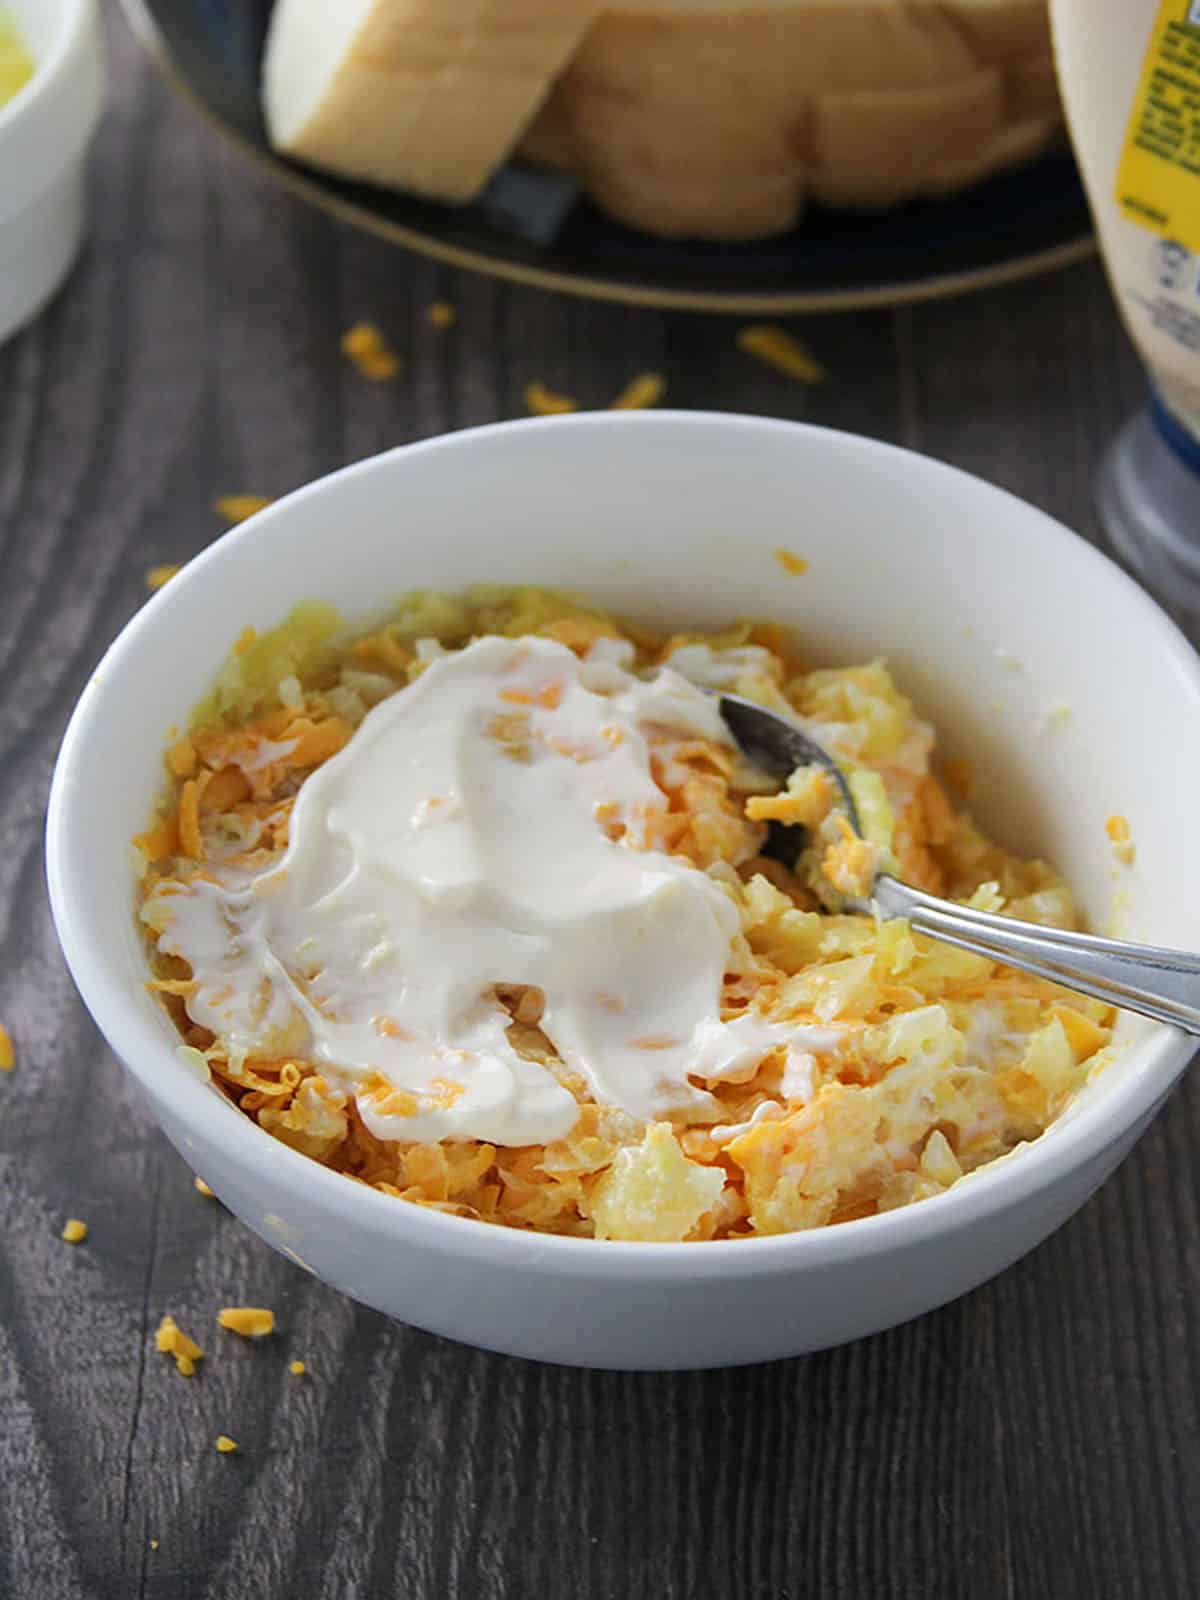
(1163, 984)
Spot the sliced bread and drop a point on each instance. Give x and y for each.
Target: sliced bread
(426, 95)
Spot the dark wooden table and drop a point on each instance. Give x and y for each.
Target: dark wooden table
(1038, 1438)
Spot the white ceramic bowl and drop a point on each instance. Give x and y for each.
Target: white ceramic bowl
(1045, 666)
(45, 131)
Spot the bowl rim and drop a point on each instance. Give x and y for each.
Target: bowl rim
(1085, 1135)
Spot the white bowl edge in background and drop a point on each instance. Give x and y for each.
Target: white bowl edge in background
(45, 132)
(607, 504)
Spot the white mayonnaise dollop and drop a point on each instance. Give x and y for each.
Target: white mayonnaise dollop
(485, 826)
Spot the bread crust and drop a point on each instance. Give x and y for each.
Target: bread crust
(715, 119)
(722, 122)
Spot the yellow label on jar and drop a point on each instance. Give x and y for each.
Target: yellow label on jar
(1158, 180)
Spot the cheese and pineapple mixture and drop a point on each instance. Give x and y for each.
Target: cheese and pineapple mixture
(16, 64)
(475, 908)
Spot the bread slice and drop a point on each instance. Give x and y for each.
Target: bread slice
(425, 95)
(696, 118)
(719, 118)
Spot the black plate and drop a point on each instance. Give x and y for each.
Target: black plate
(533, 229)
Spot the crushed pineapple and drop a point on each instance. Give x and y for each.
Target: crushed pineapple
(652, 1191)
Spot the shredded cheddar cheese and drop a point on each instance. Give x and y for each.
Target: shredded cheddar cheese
(297, 1369)
(251, 1322)
(75, 1231)
(543, 402)
(796, 566)
(190, 841)
(171, 1340)
(366, 347)
(1083, 1035)
(239, 507)
(225, 1445)
(181, 759)
(202, 1188)
(647, 389)
(157, 576)
(850, 863)
(781, 350)
(1117, 828)
(442, 314)
(806, 800)
(1119, 832)
(8, 1057)
(159, 841)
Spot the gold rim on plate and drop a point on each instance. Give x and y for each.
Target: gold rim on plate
(944, 286)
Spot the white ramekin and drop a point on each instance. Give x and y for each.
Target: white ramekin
(45, 131)
(1066, 688)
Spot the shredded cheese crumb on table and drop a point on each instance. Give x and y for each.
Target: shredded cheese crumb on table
(252, 1322)
(781, 350)
(791, 562)
(238, 507)
(171, 1340)
(297, 1369)
(225, 1445)
(202, 1188)
(647, 389)
(75, 1231)
(8, 1058)
(442, 314)
(154, 1544)
(157, 576)
(366, 347)
(543, 402)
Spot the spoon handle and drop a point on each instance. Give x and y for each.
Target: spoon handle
(1163, 984)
